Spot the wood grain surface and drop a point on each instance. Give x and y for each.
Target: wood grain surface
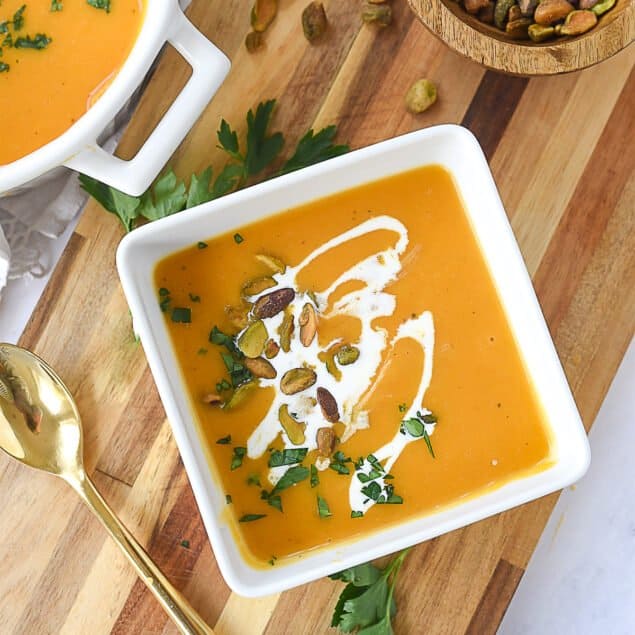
(561, 149)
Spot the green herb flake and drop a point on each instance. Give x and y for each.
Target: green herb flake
(249, 518)
(4, 67)
(275, 501)
(100, 4)
(253, 479)
(315, 479)
(185, 544)
(323, 508)
(355, 514)
(18, 18)
(56, 5)
(340, 468)
(201, 245)
(194, 298)
(238, 239)
(39, 42)
(237, 457)
(403, 407)
(291, 477)
(201, 351)
(272, 560)
(228, 499)
(181, 315)
(224, 440)
(163, 292)
(287, 457)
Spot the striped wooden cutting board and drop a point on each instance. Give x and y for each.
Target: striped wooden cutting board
(561, 150)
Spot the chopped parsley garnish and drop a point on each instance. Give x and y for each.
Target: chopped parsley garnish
(181, 315)
(415, 428)
(237, 457)
(323, 508)
(201, 351)
(238, 239)
(248, 518)
(291, 477)
(163, 291)
(315, 479)
(272, 560)
(287, 457)
(357, 514)
(39, 42)
(403, 407)
(228, 499)
(185, 544)
(4, 67)
(56, 5)
(100, 4)
(201, 245)
(340, 468)
(18, 18)
(225, 440)
(253, 479)
(223, 384)
(274, 501)
(238, 372)
(194, 297)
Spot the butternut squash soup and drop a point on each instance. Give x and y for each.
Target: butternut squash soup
(350, 365)
(56, 58)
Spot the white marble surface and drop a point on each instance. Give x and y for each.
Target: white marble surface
(581, 578)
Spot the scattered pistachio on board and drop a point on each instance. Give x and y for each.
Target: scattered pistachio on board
(539, 20)
(262, 15)
(377, 14)
(314, 22)
(421, 95)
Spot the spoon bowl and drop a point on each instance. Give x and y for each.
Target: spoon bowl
(39, 421)
(40, 426)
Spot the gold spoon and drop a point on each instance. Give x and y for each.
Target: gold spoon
(41, 427)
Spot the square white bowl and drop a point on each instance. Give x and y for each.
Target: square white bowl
(456, 149)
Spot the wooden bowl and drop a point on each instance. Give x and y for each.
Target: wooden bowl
(489, 46)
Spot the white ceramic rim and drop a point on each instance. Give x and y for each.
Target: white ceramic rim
(456, 149)
(77, 148)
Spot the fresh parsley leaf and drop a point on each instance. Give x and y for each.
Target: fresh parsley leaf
(166, 197)
(100, 4)
(360, 575)
(225, 440)
(355, 514)
(228, 140)
(314, 148)
(122, 205)
(228, 179)
(248, 518)
(372, 490)
(199, 191)
(291, 477)
(366, 602)
(287, 457)
(216, 336)
(323, 508)
(261, 149)
(56, 5)
(238, 239)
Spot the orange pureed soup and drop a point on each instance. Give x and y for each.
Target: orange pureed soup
(56, 60)
(350, 365)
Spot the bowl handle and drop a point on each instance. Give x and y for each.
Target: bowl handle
(209, 68)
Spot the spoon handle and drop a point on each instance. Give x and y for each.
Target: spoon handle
(176, 606)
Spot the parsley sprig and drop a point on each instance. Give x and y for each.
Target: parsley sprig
(249, 162)
(367, 602)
